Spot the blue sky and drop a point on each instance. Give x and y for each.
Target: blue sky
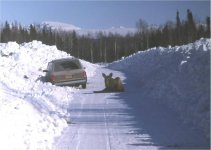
(100, 14)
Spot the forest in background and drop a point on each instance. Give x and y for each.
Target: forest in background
(110, 47)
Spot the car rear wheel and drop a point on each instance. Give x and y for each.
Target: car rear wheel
(83, 86)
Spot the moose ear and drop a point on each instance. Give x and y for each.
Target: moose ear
(103, 74)
(110, 75)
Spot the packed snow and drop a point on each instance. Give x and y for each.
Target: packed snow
(177, 77)
(163, 82)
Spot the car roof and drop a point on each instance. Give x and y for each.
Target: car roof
(65, 59)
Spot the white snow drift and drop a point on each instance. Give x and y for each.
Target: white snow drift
(32, 113)
(178, 77)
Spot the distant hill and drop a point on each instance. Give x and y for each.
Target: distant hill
(70, 27)
(60, 26)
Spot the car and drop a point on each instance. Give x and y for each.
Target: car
(66, 71)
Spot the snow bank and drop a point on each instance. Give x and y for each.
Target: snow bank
(32, 113)
(178, 77)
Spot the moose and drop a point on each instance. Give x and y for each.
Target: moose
(111, 84)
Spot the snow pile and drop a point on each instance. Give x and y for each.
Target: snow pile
(178, 77)
(32, 113)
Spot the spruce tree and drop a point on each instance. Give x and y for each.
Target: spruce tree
(6, 33)
(178, 29)
(208, 27)
(191, 26)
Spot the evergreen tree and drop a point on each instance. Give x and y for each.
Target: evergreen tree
(178, 29)
(208, 27)
(200, 32)
(33, 32)
(6, 33)
(75, 44)
(191, 27)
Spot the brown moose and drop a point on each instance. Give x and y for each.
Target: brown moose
(111, 84)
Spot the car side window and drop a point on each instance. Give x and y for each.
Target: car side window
(58, 67)
(49, 67)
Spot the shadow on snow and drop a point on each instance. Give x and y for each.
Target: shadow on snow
(148, 116)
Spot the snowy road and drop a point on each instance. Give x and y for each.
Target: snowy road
(99, 121)
(121, 121)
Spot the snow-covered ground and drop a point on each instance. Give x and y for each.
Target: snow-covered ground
(32, 113)
(178, 77)
(166, 103)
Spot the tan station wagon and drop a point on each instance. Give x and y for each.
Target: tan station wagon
(66, 71)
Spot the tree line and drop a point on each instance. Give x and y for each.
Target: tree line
(109, 47)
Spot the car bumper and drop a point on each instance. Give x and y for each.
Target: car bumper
(76, 82)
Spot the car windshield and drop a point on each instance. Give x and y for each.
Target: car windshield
(67, 65)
